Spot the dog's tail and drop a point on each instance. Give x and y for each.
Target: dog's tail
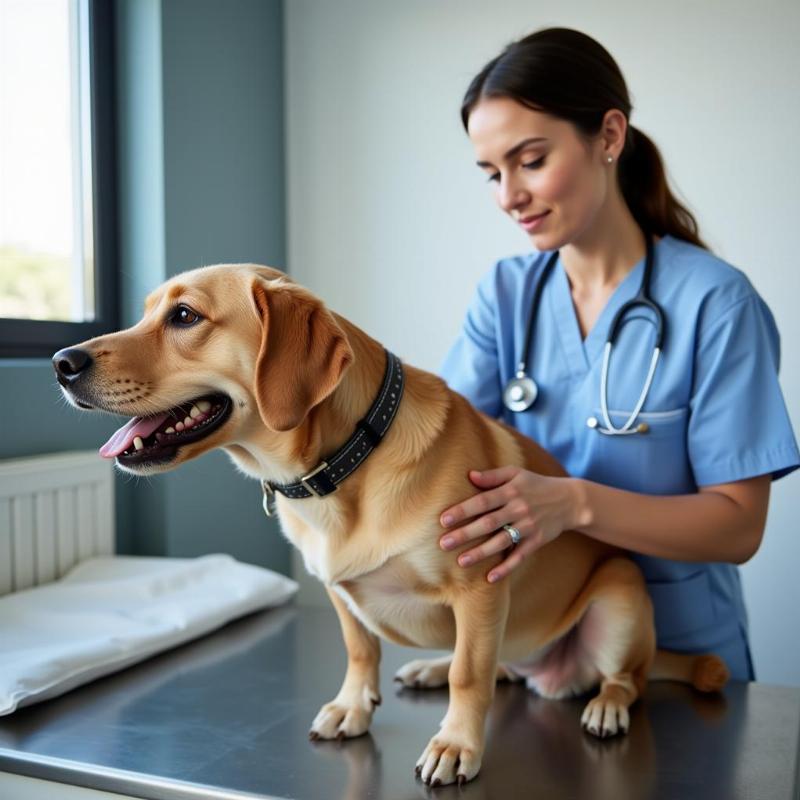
(707, 672)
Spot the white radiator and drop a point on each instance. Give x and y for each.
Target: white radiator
(55, 511)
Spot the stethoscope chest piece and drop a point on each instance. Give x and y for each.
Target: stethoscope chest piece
(520, 393)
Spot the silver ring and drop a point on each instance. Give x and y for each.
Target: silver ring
(513, 533)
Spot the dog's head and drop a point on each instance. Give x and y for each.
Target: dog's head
(220, 351)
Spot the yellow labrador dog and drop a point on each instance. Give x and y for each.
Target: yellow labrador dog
(360, 454)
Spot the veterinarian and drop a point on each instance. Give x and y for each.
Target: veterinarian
(671, 449)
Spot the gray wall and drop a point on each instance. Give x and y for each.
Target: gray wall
(391, 222)
(201, 154)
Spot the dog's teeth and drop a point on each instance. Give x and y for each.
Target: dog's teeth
(188, 422)
(195, 412)
(179, 426)
(204, 406)
(170, 430)
(138, 443)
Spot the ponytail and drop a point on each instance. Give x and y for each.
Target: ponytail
(643, 182)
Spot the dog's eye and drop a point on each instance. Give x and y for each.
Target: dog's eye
(184, 316)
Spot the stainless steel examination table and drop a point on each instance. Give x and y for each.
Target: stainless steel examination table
(228, 716)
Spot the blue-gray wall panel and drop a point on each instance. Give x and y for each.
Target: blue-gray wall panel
(223, 132)
(201, 180)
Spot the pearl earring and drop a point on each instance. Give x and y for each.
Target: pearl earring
(610, 159)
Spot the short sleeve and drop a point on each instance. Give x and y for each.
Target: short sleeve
(471, 366)
(738, 425)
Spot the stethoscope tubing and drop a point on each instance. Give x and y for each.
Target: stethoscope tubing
(521, 391)
(626, 427)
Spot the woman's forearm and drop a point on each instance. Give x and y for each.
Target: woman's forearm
(720, 523)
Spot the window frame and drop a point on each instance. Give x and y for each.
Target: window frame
(26, 338)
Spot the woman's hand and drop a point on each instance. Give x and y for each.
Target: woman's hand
(539, 507)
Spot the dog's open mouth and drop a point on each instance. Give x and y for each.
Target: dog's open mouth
(156, 439)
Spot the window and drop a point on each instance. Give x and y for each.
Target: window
(57, 244)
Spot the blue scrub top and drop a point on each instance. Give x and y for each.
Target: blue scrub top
(715, 409)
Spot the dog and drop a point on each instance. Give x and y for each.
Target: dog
(242, 358)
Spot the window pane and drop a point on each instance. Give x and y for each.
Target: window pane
(46, 259)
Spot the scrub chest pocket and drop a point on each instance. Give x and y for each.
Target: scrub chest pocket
(631, 462)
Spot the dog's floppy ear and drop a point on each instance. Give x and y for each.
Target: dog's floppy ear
(303, 354)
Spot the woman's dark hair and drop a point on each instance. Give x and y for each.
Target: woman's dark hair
(569, 75)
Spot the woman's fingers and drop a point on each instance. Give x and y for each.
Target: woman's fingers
(498, 543)
(495, 544)
(510, 496)
(480, 505)
(515, 558)
(490, 478)
(481, 527)
(493, 480)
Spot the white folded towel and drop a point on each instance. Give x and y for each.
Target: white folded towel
(109, 613)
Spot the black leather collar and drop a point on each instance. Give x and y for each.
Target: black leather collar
(328, 474)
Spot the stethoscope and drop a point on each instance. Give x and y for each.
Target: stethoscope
(521, 391)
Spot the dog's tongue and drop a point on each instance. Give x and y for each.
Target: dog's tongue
(123, 438)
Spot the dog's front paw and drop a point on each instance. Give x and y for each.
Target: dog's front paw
(343, 718)
(451, 756)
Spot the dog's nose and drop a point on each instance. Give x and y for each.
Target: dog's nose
(70, 363)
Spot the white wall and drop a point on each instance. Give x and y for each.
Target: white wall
(392, 224)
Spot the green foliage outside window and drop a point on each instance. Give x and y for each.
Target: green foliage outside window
(34, 285)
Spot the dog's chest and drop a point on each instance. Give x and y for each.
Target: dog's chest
(388, 603)
(394, 596)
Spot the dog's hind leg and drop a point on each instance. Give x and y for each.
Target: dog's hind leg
(431, 673)
(425, 673)
(617, 638)
(350, 712)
